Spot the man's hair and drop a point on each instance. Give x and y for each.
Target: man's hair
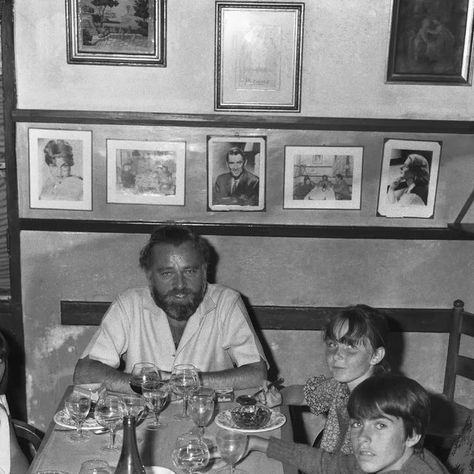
(176, 236)
(56, 148)
(235, 151)
(339, 175)
(396, 396)
(419, 167)
(364, 324)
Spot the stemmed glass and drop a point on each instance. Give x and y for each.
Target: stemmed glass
(77, 406)
(184, 381)
(143, 372)
(155, 392)
(191, 454)
(201, 407)
(135, 405)
(231, 446)
(109, 412)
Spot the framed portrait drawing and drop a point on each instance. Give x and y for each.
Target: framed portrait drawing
(145, 172)
(125, 32)
(258, 56)
(60, 169)
(431, 42)
(322, 177)
(409, 178)
(236, 173)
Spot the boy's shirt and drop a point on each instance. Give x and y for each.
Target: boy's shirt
(4, 441)
(316, 461)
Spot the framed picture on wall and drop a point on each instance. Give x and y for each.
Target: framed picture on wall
(431, 42)
(236, 173)
(258, 56)
(322, 177)
(125, 32)
(60, 169)
(145, 172)
(409, 178)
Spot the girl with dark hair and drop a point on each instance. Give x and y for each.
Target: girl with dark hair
(355, 341)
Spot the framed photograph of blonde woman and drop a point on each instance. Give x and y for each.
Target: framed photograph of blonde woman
(409, 178)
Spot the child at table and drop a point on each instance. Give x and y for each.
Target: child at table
(389, 417)
(355, 341)
(12, 459)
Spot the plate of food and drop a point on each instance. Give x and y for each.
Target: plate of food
(63, 419)
(260, 420)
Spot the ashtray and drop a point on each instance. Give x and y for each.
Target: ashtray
(251, 417)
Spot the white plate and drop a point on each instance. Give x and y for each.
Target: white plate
(63, 419)
(158, 470)
(224, 420)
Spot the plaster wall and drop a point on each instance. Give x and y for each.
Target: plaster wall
(345, 49)
(267, 271)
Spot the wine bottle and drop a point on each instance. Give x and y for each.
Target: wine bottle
(129, 462)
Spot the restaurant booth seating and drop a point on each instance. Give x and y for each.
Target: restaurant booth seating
(29, 438)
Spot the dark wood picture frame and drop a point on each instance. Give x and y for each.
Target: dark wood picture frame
(116, 33)
(431, 42)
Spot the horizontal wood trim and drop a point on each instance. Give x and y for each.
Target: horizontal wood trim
(468, 324)
(465, 367)
(437, 320)
(221, 120)
(255, 230)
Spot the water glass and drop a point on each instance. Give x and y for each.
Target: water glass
(184, 381)
(231, 446)
(191, 453)
(95, 466)
(201, 408)
(143, 372)
(78, 406)
(155, 394)
(109, 412)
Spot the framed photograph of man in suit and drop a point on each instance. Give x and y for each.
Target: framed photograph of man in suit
(236, 173)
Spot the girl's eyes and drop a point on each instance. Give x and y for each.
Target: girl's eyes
(380, 426)
(356, 424)
(331, 344)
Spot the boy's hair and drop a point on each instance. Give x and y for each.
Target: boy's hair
(393, 395)
(364, 324)
(173, 235)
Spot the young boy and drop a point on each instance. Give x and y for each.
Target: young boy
(389, 416)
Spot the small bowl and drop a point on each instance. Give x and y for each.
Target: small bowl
(251, 417)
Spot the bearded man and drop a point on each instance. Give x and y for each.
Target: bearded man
(178, 319)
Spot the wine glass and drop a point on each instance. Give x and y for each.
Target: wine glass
(184, 381)
(191, 454)
(201, 407)
(78, 406)
(155, 393)
(142, 372)
(109, 412)
(135, 405)
(95, 466)
(231, 446)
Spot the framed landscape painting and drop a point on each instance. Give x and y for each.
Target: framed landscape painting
(145, 172)
(60, 169)
(258, 56)
(409, 178)
(431, 42)
(236, 173)
(117, 32)
(322, 177)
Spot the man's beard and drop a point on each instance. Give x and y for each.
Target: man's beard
(180, 311)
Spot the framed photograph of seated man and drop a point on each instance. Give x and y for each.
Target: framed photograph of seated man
(431, 42)
(236, 173)
(322, 177)
(145, 172)
(409, 178)
(258, 56)
(60, 169)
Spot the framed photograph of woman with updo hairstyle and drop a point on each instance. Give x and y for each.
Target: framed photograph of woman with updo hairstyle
(60, 169)
(409, 178)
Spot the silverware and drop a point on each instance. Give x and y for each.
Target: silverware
(278, 381)
(97, 431)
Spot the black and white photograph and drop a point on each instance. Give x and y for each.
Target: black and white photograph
(145, 172)
(322, 177)
(236, 173)
(409, 178)
(60, 164)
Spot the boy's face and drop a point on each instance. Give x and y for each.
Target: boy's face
(381, 444)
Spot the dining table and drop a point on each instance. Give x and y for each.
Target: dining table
(58, 453)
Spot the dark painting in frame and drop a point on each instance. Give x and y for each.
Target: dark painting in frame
(113, 32)
(431, 42)
(258, 56)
